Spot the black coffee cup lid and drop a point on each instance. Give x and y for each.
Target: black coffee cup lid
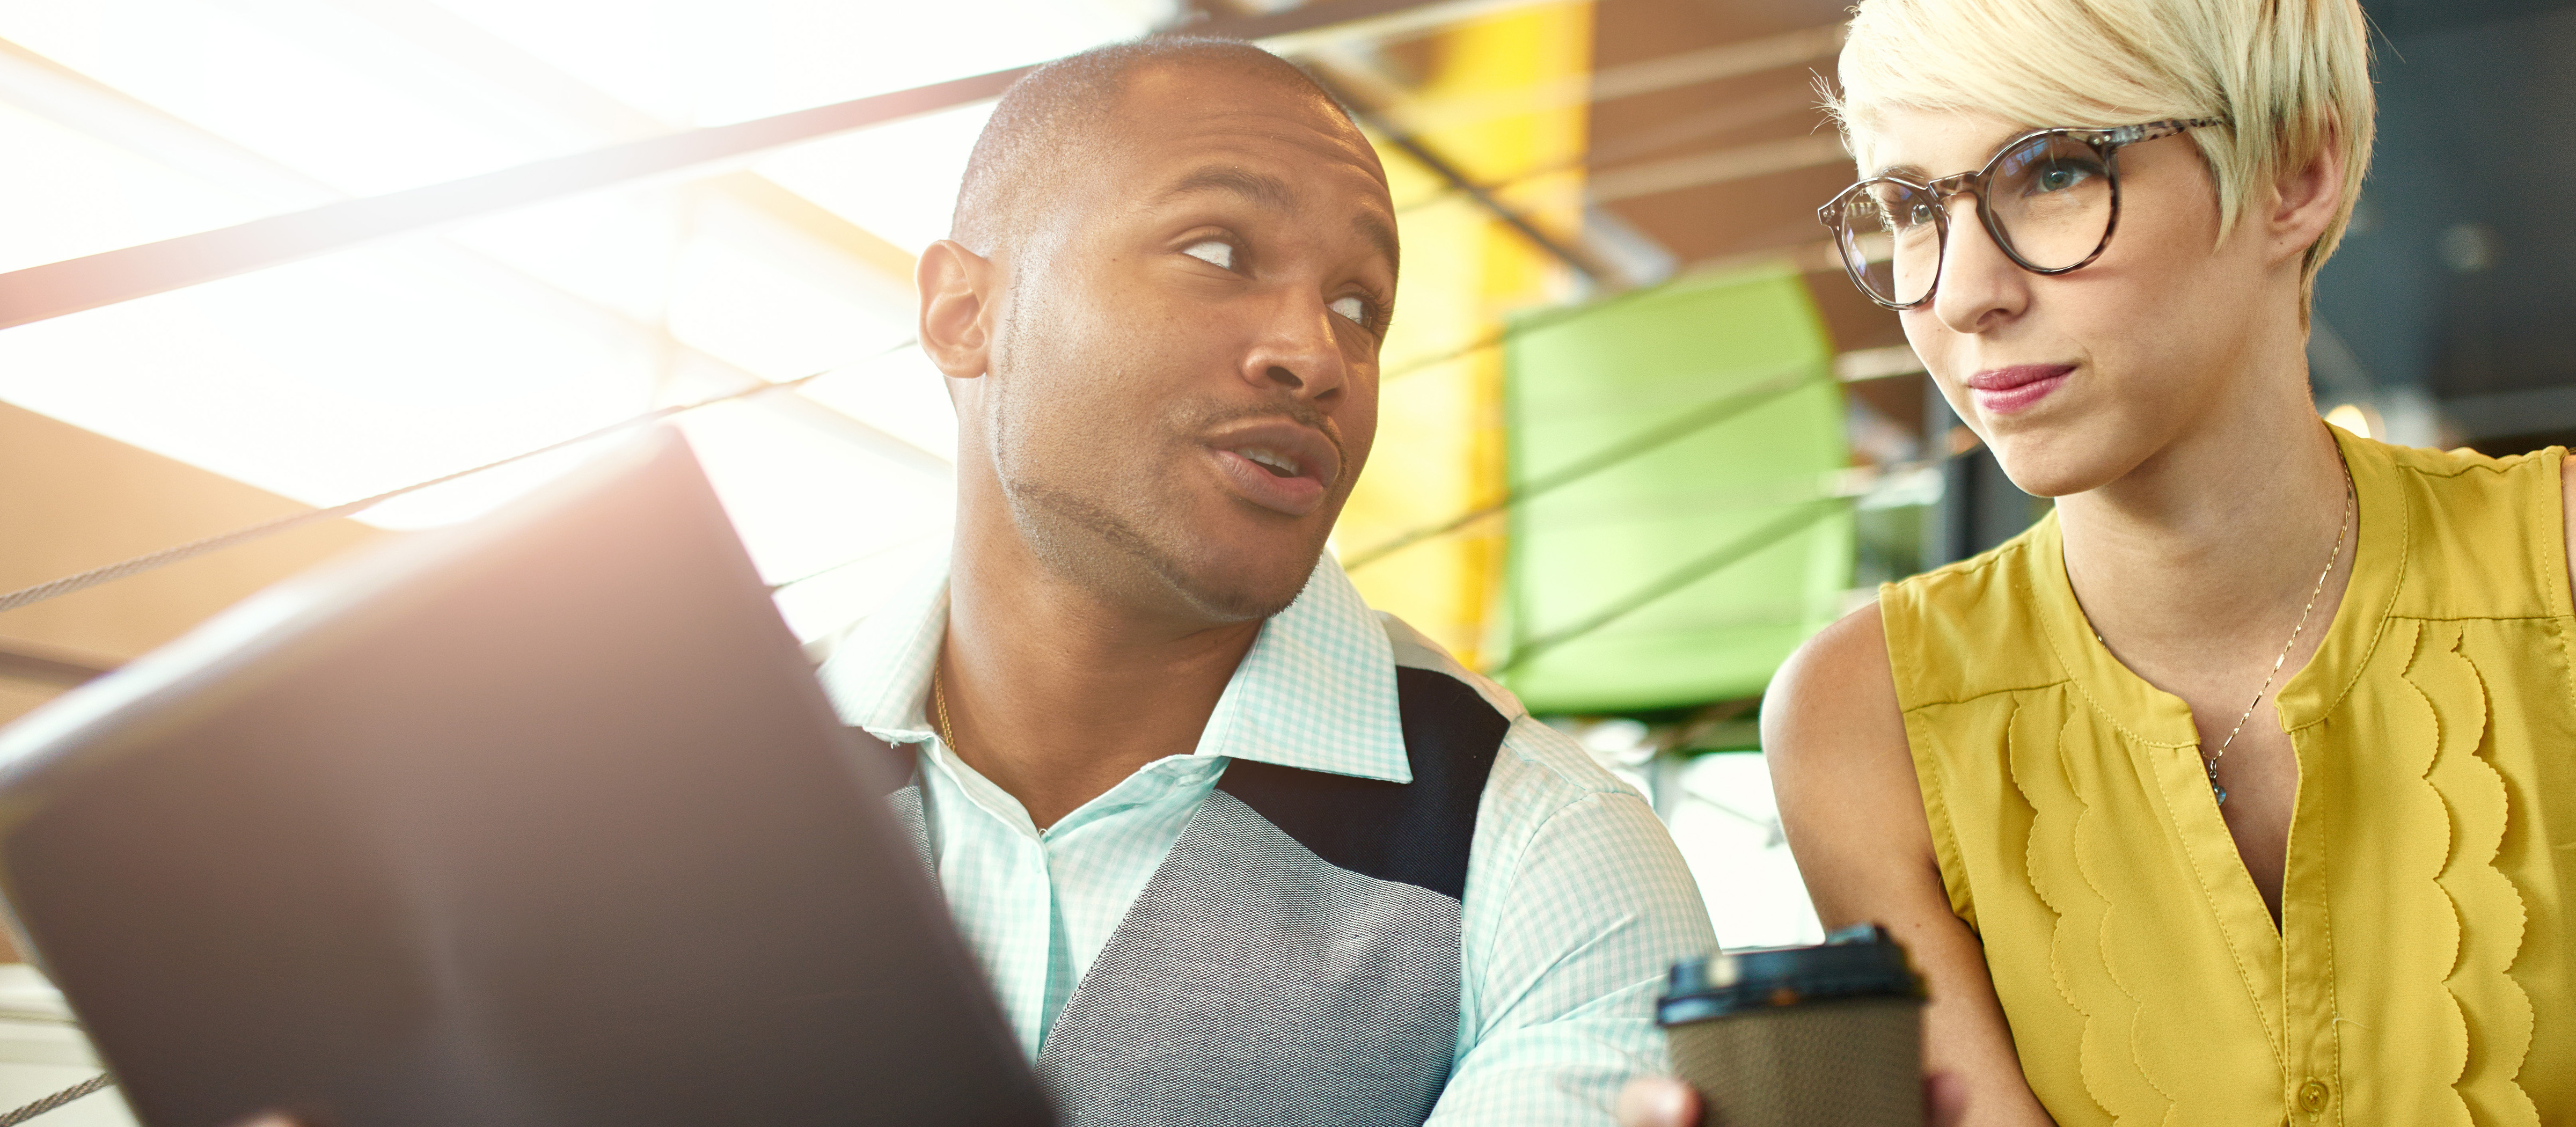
(1860, 961)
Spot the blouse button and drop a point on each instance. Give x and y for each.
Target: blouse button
(2313, 1096)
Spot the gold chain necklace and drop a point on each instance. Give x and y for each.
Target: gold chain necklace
(939, 711)
(2210, 761)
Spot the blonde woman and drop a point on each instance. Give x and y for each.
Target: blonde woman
(2242, 789)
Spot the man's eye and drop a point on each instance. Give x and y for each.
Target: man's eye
(1351, 309)
(1214, 252)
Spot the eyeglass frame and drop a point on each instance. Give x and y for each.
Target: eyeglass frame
(2105, 143)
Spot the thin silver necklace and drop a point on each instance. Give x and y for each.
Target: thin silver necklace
(2209, 761)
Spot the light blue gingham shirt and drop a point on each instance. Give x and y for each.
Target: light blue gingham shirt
(1576, 901)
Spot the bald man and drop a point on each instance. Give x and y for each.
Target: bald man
(1232, 847)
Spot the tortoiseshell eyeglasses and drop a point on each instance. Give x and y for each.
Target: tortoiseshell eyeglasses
(2050, 199)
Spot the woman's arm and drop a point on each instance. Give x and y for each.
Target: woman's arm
(1853, 812)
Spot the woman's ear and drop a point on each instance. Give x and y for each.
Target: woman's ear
(956, 287)
(2303, 201)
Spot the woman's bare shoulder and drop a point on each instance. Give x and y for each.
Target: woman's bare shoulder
(1840, 765)
(1836, 696)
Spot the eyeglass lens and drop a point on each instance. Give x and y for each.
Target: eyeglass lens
(2050, 197)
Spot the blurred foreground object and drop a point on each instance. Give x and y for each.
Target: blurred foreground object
(437, 825)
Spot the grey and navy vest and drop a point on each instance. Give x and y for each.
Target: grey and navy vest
(1295, 959)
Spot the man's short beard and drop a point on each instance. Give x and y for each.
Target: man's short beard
(1089, 544)
(1070, 534)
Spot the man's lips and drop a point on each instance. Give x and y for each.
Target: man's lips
(1277, 464)
(2003, 391)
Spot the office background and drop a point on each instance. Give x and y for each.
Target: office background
(1639, 437)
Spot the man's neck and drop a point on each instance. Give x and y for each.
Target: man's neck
(1056, 693)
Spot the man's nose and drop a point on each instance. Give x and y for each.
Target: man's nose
(1298, 350)
(1979, 285)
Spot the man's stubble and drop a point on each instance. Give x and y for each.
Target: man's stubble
(1078, 534)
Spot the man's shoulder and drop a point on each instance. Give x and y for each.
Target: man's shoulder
(1539, 770)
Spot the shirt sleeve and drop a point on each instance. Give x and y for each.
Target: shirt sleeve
(1564, 957)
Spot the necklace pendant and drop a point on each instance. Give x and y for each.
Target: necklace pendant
(2220, 791)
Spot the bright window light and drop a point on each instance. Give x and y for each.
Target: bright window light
(340, 377)
(704, 63)
(327, 380)
(898, 180)
(94, 196)
(1728, 827)
(266, 89)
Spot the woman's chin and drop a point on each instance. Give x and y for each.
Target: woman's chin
(2044, 468)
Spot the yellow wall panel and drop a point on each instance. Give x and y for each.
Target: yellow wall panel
(1440, 444)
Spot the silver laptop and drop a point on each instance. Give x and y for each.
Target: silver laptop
(540, 820)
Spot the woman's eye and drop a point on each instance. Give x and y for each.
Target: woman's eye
(1351, 309)
(1214, 252)
(2059, 176)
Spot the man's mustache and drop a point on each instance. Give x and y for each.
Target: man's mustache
(1297, 411)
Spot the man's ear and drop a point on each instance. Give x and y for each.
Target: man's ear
(956, 287)
(2304, 200)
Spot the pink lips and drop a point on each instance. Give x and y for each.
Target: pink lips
(2004, 391)
(1276, 463)
(1295, 496)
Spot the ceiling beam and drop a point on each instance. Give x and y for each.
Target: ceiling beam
(581, 108)
(49, 90)
(1371, 18)
(57, 289)
(1741, 162)
(60, 288)
(1629, 80)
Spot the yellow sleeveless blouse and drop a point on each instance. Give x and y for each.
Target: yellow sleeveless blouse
(2424, 971)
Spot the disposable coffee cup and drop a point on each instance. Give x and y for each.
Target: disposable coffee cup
(1823, 1036)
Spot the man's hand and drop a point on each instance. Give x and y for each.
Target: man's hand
(1661, 1101)
(1658, 1101)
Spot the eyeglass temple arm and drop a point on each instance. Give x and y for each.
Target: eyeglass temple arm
(2132, 134)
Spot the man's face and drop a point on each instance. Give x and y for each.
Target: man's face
(1183, 386)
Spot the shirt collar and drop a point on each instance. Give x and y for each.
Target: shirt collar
(1316, 691)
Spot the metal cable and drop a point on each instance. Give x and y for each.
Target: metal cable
(1652, 438)
(1530, 323)
(58, 1099)
(166, 556)
(1725, 556)
(66, 585)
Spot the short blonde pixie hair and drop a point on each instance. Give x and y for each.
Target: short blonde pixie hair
(2288, 76)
